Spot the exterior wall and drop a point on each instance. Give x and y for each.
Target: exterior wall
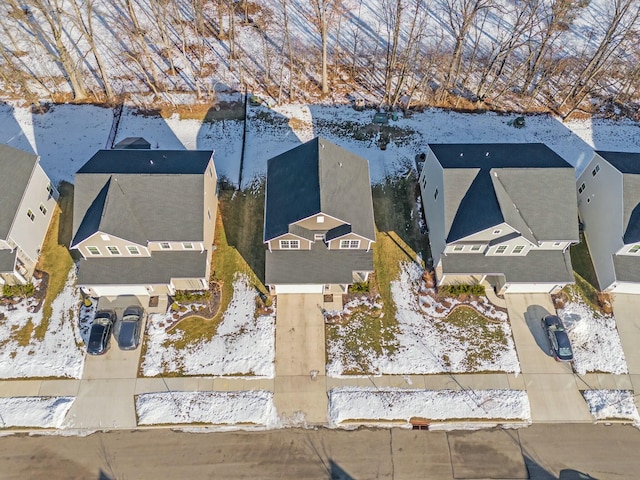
(29, 235)
(284, 289)
(487, 235)
(210, 204)
(625, 287)
(334, 244)
(311, 223)
(190, 284)
(528, 288)
(274, 244)
(101, 241)
(431, 179)
(461, 279)
(600, 207)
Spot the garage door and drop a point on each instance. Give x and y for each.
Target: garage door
(627, 288)
(114, 291)
(529, 288)
(280, 289)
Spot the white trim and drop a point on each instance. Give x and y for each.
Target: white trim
(349, 246)
(290, 244)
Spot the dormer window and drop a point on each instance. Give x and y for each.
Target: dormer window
(518, 249)
(501, 249)
(289, 244)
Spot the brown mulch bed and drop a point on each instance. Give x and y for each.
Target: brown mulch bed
(37, 299)
(206, 308)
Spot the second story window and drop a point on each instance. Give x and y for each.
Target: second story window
(93, 250)
(43, 209)
(187, 245)
(351, 244)
(113, 250)
(30, 214)
(501, 249)
(289, 244)
(497, 231)
(133, 250)
(518, 249)
(165, 245)
(458, 248)
(634, 249)
(595, 170)
(475, 248)
(581, 189)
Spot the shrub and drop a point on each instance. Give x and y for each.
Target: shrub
(175, 307)
(189, 296)
(18, 290)
(87, 301)
(462, 289)
(359, 287)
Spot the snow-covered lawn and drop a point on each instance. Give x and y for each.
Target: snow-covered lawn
(427, 340)
(58, 354)
(612, 405)
(253, 407)
(594, 338)
(243, 344)
(358, 405)
(38, 412)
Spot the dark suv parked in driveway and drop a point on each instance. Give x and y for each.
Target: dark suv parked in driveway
(100, 333)
(128, 329)
(558, 338)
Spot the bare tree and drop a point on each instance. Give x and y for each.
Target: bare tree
(323, 15)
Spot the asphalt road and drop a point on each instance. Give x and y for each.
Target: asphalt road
(538, 452)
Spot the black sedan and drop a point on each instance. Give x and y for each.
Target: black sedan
(558, 338)
(100, 333)
(128, 330)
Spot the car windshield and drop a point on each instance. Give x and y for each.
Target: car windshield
(132, 317)
(95, 339)
(563, 339)
(565, 352)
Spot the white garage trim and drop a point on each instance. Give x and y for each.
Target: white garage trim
(115, 290)
(626, 287)
(280, 289)
(529, 288)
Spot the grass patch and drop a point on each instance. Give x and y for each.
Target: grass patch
(482, 337)
(55, 258)
(582, 264)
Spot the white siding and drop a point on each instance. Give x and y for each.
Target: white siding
(431, 179)
(529, 288)
(283, 289)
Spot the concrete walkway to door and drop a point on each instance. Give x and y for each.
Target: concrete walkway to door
(300, 389)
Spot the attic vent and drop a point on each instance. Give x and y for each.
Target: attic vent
(151, 162)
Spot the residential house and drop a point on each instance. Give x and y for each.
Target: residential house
(143, 221)
(318, 222)
(27, 202)
(609, 207)
(500, 213)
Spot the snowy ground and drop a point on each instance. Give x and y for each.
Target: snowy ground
(594, 338)
(217, 408)
(58, 354)
(612, 405)
(357, 405)
(38, 412)
(242, 345)
(428, 344)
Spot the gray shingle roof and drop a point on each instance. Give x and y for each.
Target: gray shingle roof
(627, 268)
(16, 167)
(631, 208)
(315, 177)
(7, 260)
(316, 266)
(142, 206)
(528, 186)
(159, 268)
(538, 266)
(625, 162)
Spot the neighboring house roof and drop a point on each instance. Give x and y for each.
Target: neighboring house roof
(7, 260)
(538, 266)
(159, 269)
(527, 186)
(318, 177)
(627, 268)
(16, 167)
(316, 266)
(629, 165)
(133, 143)
(141, 196)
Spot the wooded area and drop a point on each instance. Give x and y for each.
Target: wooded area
(517, 55)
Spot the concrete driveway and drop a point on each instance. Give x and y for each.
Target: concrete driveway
(300, 383)
(552, 386)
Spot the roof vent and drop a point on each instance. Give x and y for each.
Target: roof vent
(340, 164)
(486, 154)
(461, 154)
(150, 162)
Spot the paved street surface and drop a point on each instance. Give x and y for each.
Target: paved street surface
(538, 452)
(300, 384)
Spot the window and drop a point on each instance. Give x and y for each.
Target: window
(133, 250)
(497, 231)
(581, 189)
(93, 250)
(209, 214)
(49, 189)
(43, 209)
(595, 170)
(31, 216)
(501, 249)
(165, 245)
(289, 244)
(349, 243)
(475, 248)
(557, 244)
(458, 248)
(113, 250)
(634, 249)
(187, 245)
(318, 237)
(320, 219)
(518, 249)
(435, 194)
